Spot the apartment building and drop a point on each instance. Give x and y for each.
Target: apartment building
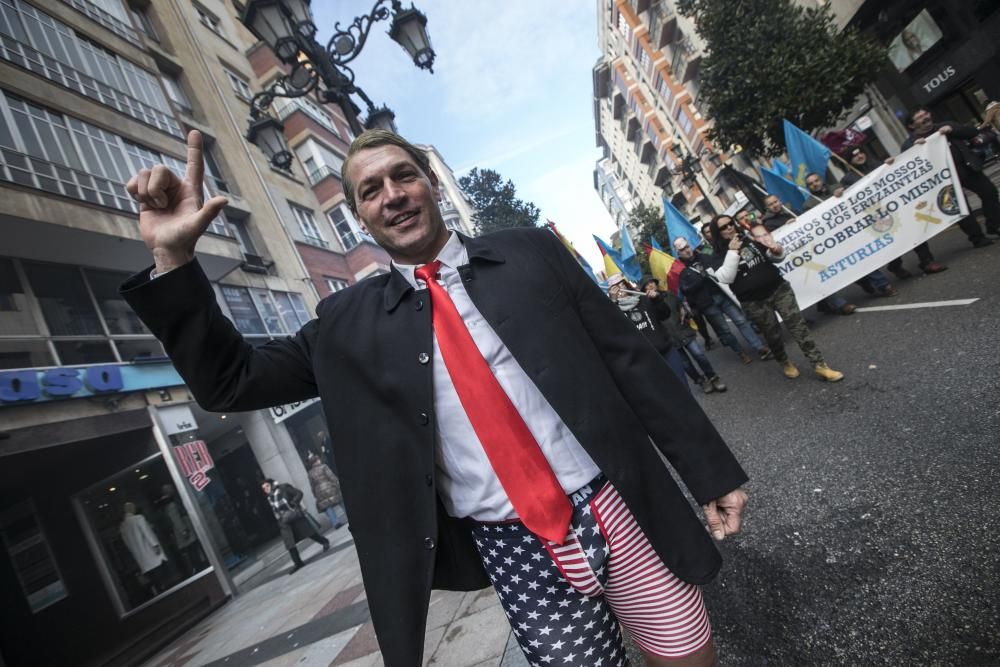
(100, 441)
(456, 209)
(647, 113)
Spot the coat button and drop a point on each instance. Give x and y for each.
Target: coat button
(419, 305)
(424, 419)
(423, 358)
(429, 479)
(428, 543)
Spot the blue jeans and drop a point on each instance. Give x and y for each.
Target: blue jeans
(331, 514)
(833, 302)
(697, 353)
(716, 315)
(875, 280)
(676, 362)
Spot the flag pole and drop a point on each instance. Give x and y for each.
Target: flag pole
(847, 164)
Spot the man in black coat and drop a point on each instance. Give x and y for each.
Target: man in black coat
(369, 355)
(968, 168)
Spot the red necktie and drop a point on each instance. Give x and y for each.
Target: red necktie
(517, 460)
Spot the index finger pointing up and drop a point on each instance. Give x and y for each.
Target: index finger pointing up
(195, 161)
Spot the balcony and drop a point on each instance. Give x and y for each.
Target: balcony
(318, 242)
(687, 60)
(632, 128)
(321, 172)
(602, 80)
(648, 153)
(662, 24)
(618, 106)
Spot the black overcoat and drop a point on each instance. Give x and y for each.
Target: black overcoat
(368, 355)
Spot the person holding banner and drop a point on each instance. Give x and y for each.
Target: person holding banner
(968, 168)
(858, 159)
(749, 267)
(776, 214)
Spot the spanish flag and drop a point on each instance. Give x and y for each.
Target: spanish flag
(664, 268)
(611, 262)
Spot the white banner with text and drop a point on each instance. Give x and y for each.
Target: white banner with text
(884, 215)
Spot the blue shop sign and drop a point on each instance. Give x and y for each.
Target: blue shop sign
(34, 385)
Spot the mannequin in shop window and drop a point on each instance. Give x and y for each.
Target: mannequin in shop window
(144, 546)
(181, 532)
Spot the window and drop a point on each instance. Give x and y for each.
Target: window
(109, 13)
(139, 529)
(624, 27)
(335, 284)
(287, 106)
(52, 49)
(210, 21)
(259, 312)
(239, 85)
(345, 230)
(319, 161)
(140, 17)
(31, 557)
(307, 224)
(243, 236)
(59, 154)
(176, 93)
(684, 120)
(213, 174)
(81, 319)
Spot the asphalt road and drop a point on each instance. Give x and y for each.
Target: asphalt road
(873, 530)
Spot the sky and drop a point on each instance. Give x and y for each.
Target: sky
(511, 91)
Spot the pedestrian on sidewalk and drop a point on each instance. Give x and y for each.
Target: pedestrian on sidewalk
(749, 266)
(326, 490)
(294, 522)
(484, 382)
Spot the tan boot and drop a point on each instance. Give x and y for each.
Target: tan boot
(828, 373)
(790, 370)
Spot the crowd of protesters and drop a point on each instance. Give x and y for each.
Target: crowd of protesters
(732, 277)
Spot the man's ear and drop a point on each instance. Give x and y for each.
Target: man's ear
(436, 183)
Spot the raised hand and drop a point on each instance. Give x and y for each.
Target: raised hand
(172, 216)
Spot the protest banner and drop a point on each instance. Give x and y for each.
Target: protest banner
(884, 215)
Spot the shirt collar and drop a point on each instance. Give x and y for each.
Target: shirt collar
(452, 256)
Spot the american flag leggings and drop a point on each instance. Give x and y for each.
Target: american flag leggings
(565, 602)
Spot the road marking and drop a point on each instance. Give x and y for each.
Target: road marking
(922, 304)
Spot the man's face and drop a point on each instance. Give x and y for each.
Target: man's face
(266, 487)
(858, 157)
(922, 123)
(773, 204)
(397, 204)
(684, 250)
(814, 183)
(743, 218)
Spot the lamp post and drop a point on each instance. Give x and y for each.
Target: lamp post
(691, 169)
(287, 28)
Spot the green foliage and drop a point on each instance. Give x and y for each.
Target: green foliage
(497, 206)
(772, 59)
(647, 221)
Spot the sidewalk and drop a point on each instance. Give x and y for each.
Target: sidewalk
(319, 616)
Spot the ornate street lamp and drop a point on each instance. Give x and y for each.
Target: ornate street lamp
(286, 27)
(268, 135)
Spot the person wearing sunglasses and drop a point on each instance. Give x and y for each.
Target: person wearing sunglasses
(749, 268)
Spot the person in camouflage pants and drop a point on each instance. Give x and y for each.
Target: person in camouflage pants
(783, 301)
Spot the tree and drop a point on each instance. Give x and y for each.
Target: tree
(648, 223)
(497, 206)
(772, 59)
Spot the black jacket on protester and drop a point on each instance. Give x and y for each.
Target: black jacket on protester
(697, 287)
(958, 142)
(648, 316)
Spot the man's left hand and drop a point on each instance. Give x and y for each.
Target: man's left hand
(653, 293)
(945, 129)
(724, 515)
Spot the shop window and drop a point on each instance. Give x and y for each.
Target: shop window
(139, 530)
(81, 352)
(15, 318)
(31, 556)
(24, 354)
(140, 349)
(241, 307)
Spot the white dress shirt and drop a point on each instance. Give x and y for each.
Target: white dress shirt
(466, 480)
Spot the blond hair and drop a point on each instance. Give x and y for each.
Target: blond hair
(374, 139)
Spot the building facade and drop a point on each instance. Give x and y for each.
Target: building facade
(456, 209)
(126, 512)
(648, 115)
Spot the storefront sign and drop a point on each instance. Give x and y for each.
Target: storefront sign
(945, 74)
(194, 461)
(35, 385)
(885, 214)
(280, 413)
(177, 419)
